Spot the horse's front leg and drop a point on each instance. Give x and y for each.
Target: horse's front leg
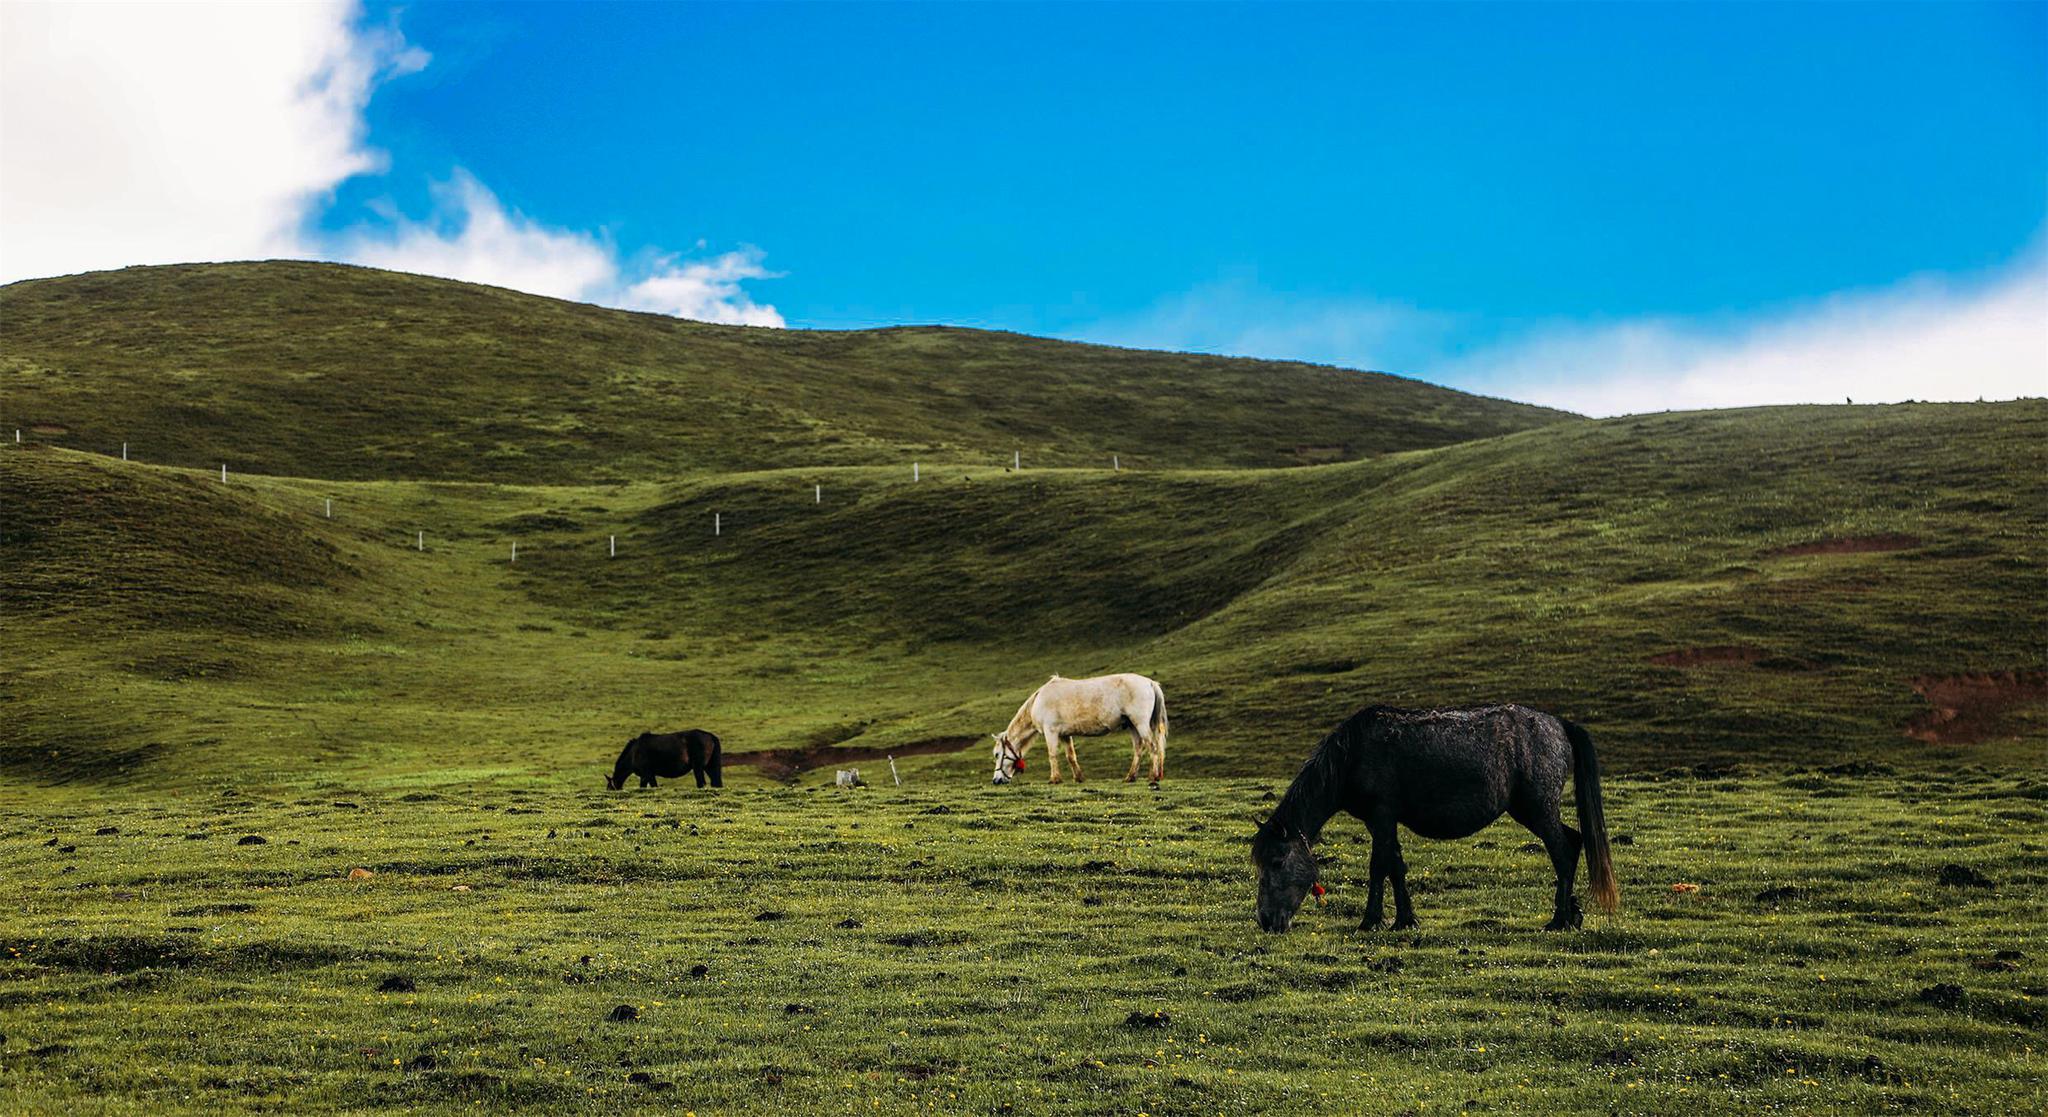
(1052, 756)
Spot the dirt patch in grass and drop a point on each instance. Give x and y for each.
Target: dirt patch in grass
(1700, 657)
(1848, 545)
(787, 764)
(1971, 708)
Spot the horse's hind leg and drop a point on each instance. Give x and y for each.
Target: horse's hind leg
(1397, 871)
(1562, 843)
(1137, 751)
(1074, 756)
(717, 770)
(698, 771)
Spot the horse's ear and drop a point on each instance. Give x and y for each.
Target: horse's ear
(1257, 821)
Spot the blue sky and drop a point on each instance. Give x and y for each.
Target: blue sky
(1611, 207)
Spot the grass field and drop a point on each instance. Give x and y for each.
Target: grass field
(953, 948)
(1808, 642)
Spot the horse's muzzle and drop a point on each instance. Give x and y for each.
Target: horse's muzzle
(1002, 780)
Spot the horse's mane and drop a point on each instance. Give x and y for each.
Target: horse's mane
(1311, 798)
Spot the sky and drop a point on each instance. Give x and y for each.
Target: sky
(1609, 208)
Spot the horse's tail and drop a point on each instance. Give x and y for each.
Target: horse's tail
(1592, 823)
(1158, 714)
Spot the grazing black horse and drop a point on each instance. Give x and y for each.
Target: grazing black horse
(651, 755)
(1442, 774)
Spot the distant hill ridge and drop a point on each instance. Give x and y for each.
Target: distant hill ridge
(327, 370)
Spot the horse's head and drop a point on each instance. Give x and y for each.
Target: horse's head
(624, 767)
(1009, 758)
(1287, 873)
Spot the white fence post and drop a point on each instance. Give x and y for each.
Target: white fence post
(913, 471)
(1115, 466)
(892, 772)
(1016, 459)
(421, 543)
(819, 496)
(124, 451)
(515, 550)
(714, 523)
(223, 473)
(615, 547)
(330, 507)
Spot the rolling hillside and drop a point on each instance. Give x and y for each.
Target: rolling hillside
(322, 370)
(1793, 585)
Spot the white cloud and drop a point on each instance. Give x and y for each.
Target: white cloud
(152, 133)
(1927, 339)
(472, 236)
(1930, 338)
(164, 133)
(1237, 317)
(707, 290)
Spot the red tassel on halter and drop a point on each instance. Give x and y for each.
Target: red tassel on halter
(1020, 764)
(1318, 890)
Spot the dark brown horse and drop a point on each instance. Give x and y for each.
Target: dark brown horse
(654, 755)
(1442, 774)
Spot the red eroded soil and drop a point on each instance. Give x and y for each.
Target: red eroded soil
(1968, 708)
(1847, 545)
(1696, 657)
(786, 764)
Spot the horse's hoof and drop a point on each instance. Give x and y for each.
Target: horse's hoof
(1155, 785)
(1408, 924)
(1132, 778)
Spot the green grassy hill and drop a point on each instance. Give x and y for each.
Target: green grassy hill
(1646, 576)
(301, 811)
(320, 370)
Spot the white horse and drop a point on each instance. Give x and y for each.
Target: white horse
(1067, 708)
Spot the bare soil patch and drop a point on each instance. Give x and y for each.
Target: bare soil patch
(1848, 545)
(1971, 708)
(787, 764)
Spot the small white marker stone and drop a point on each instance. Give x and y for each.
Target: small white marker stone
(223, 472)
(820, 496)
(1016, 459)
(330, 507)
(422, 543)
(515, 550)
(124, 451)
(1115, 466)
(615, 546)
(714, 523)
(913, 471)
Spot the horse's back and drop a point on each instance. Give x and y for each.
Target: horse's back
(673, 754)
(1453, 771)
(1095, 705)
